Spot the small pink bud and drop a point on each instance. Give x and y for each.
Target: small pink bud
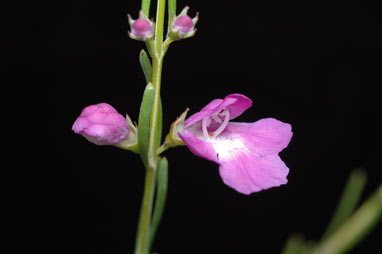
(101, 124)
(141, 28)
(183, 26)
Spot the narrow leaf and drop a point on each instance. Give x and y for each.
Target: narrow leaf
(160, 199)
(348, 202)
(144, 122)
(355, 228)
(297, 245)
(146, 7)
(146, 65)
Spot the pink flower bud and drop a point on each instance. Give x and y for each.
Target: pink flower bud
(183, 26)
(101, 124)
(141, 28)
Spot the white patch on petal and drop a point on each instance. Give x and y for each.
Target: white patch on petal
(228, 148)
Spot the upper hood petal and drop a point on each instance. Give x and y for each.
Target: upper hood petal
(235, 103)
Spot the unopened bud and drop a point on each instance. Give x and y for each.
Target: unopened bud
(183, 26)
(141, 28)
(101, 124)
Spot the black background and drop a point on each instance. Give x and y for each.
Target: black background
(313, 64)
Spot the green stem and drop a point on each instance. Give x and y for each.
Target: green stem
(143, 234)
(156, 80)
(156, 51)
(162, 148)
(154, 120)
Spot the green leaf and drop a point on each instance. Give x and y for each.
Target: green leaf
(355, 228)
(348, 202)
(171, 11)
(146, 65)
(297, 245)
(146, 7)
(144, 122)
(160, 199)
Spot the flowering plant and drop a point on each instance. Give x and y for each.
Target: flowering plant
(247, 153)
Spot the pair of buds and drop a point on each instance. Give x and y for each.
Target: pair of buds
(182, 26)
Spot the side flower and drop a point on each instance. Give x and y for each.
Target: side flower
(101, 124)
(247, 153)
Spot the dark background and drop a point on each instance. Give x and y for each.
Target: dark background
(313, 64)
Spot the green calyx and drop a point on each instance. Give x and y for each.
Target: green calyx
(173, 139)
(131, 142)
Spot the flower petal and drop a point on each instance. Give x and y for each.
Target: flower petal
(264, 137)
(235, 103)
(248, 173)
(241, 104)
(198, 146)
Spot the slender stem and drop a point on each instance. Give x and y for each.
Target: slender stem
(143, 234)
(161, 5)
(156, 80)
(162, 148)
(156, 51)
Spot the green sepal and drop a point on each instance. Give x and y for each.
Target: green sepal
(146, 65)
(173, 139)
(144, 122)
(160, 197)
(131, 142)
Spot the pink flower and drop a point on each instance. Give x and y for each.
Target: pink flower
(141, 28)
(101, 124)
(247, 153)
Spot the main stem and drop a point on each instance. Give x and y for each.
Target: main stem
(143, 234)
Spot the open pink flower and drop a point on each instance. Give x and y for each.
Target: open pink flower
(247, 153)
(101, 124)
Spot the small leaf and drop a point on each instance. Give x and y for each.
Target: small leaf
(144, 122)
(160, 199)
(146, 65)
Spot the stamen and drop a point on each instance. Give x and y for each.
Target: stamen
(207, 121)
(204, 127)
(221, 128)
